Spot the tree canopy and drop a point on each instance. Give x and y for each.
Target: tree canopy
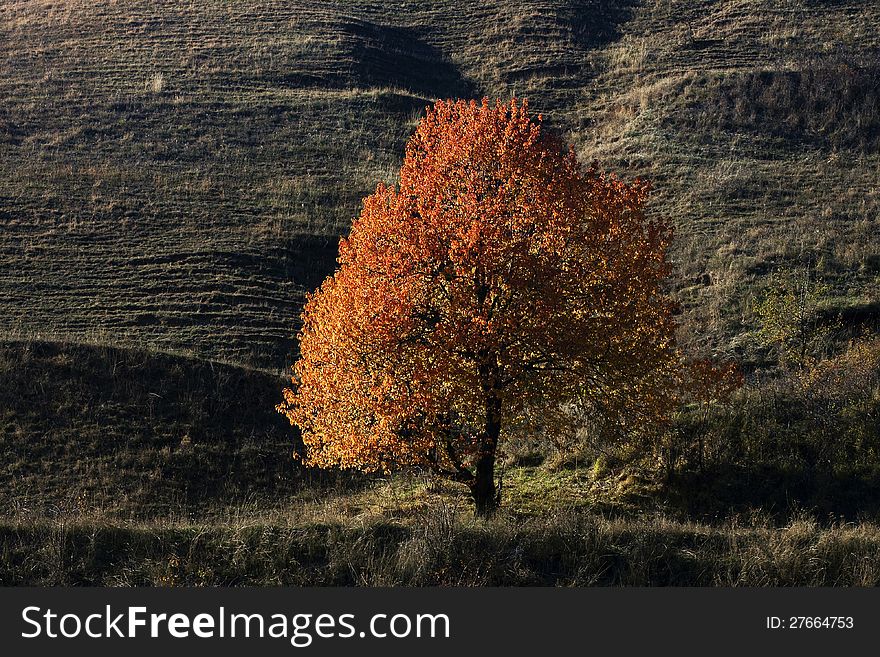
(499, 284)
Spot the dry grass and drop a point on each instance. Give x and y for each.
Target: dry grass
(747, 140)
(174, 176)
(186, 196)
(125, 467)
(440, 546)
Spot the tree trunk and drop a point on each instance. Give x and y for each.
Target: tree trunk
(483, 487)
(486, 499)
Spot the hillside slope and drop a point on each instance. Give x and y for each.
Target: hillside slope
(759, 123)
(134, 434)
(175, 175)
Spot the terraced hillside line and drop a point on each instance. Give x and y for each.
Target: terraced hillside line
(177, 174)
(739, 113)
(232, 143)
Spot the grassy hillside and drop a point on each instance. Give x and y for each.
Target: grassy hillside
(758, 123)
(133, 434)
(174, 177)
(131, 468)
(175, 174)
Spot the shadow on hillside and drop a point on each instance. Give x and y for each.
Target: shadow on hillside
(728, 491)
(386, 56)
(597, 23)
(142, 434)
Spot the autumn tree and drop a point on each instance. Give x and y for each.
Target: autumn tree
(498, 282)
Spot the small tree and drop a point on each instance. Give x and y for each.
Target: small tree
(790, 320)
(499, 281)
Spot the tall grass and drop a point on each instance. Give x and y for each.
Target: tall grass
(439, 547)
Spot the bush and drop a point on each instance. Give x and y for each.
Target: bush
(809, 436)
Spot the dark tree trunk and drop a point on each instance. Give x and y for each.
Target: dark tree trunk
(483, 491)
(483, 487)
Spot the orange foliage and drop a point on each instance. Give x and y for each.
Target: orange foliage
(705, 381)
(499, 278)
